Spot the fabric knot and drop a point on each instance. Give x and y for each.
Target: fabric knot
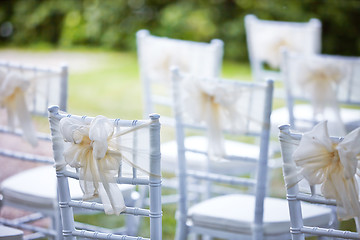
(320, 161)
(97, 152)
(319, 79)
(13, 88)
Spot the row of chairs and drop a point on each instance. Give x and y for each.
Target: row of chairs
(243, 110)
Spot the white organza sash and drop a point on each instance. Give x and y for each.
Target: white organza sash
(96, 150)
(160, 55)
(319, 81)
(214, 104)
(320, 161)
(13, 89)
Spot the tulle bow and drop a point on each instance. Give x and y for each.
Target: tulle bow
(333, 165)
(273, 51)
(168, 59)
(97, 153)
(13, 89)
(213, 104)
(320, 80)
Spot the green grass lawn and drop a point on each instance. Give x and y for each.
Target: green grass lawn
(113, 87)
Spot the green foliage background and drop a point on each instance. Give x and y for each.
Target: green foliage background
(112, 24)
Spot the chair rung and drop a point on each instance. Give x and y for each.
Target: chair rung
(222, 178)
(17, 132)
(119, 180)
(330, 232)
(99, 207)
(89, 227)
(12, 223)
(36, 235)
(315, 199)
(29, 218)
(98, 235)
(26, 156)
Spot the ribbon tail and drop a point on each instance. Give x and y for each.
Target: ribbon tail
(216, 147)
(25, 120)
(346, 194)
(357, 224)
(111, 197)
(10, 117)
(110, 193)
(335, 124)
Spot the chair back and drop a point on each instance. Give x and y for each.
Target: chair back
(326, 82)
(157, 54)
(317, 171)
(27, 91)
(106, 153)
(221, 109)
(265, 39)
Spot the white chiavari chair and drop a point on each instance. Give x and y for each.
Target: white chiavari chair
(234, 206)
(106, 153)
(320, 87)
(320, 170)
(155, 57)
(25, 94)
(265, 38)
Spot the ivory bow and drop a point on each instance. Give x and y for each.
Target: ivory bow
(213, 104)
(273, 50)
(165, 61)
(319, 81)
(12, 97)
(96, 151)
(333, 165)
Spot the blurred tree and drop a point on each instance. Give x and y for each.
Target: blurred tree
(113, 24)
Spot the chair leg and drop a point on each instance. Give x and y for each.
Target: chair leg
(56, 224)
(181, 230)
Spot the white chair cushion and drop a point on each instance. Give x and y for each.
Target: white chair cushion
(235, 213)
(8, 233)
(36, 188)
(198, 161)
(280, 116)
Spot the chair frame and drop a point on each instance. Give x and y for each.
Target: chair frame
(259, 73)
(184, 227)
(67, 204)
(295, 197)
(63, 72)
(151, 100)
(39, 213)
(291, 99)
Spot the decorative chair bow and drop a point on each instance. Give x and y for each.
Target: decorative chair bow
(320, 80)
(212, 103)
(273, 50)
(13, 89)
(166, 60)
(97, 153)
(333, 165)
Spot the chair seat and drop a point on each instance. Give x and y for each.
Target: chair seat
(235, 213)
(8, 233)
(36, 188)
(280, 116)
(198, 161)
